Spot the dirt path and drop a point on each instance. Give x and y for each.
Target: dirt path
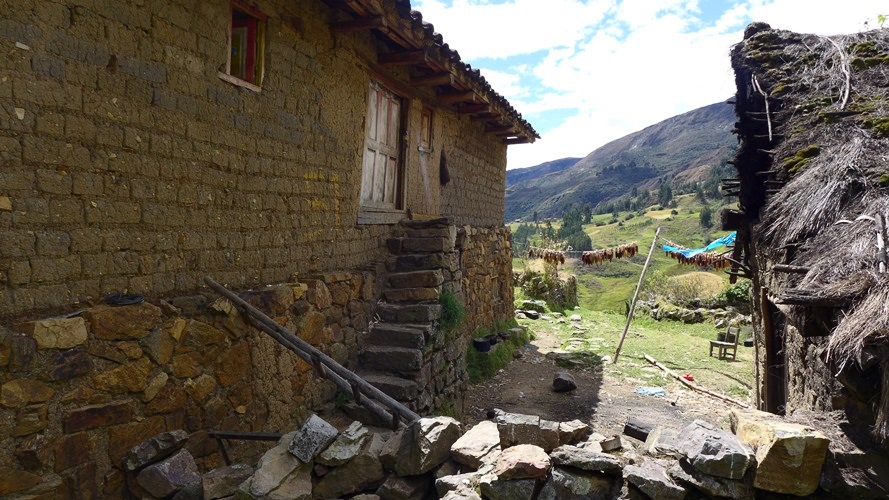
(601, 398)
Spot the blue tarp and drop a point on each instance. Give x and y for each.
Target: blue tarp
(724, 241)
(651, 391)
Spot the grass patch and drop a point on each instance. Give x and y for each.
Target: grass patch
(452, 313)
(482, 365)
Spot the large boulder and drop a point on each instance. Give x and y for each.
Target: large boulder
(313, 437)
(345, 447)
(362, 472)
(170, 475)
(585, 459)
(572, 484)
(522, 462)
(714, 486)
(789, 456)
(224, 481)
(714, 451)
(480, 441)
(651, 478)
(426, 444)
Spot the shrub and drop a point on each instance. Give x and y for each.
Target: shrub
(452, 313)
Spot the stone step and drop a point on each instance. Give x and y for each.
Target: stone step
(408, 313)
(422, 262)
(416, 279)
(400, 335)
(435, 244)
(397, 387)
(412, 294)
(397, 359)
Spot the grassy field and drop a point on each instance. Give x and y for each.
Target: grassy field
(683, 348)
(604, 293)
(609, 286)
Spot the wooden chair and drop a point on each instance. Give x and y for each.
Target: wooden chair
(729, 345)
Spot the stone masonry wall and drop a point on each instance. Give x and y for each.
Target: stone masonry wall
(78, 392)
(126, 163)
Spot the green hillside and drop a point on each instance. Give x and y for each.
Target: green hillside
(609, 286)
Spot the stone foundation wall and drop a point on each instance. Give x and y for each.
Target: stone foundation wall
(79, 391)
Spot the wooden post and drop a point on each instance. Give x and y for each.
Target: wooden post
(636, 294)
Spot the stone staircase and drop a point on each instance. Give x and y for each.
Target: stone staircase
(399, 355)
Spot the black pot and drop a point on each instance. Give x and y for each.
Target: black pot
(481, 344)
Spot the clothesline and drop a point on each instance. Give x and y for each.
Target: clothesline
(726, 240)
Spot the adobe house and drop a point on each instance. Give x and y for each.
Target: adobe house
(814, 196)
(336, 157)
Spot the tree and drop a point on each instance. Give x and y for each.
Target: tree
(706, 216)
(665, 194)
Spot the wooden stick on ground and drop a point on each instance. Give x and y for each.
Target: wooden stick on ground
(692, 385)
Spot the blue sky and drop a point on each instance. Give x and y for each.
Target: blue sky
(584, 73)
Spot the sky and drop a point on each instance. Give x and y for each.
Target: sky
(584, 73)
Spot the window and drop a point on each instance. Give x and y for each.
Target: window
(381, 169)
(426, 131)
(246, 38)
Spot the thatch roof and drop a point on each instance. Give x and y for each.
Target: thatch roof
(814, 166)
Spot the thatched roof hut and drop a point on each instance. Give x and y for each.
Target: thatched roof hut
(813, 165)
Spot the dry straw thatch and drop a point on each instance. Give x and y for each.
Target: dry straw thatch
(826, 104)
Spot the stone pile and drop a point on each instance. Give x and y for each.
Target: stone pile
(512, 456)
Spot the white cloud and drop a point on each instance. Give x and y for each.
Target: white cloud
(621, 65)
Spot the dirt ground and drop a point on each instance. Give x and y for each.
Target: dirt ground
(601, 399)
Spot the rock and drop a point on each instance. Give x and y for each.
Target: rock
(55, 333)
(789, 457)
(454, 482)
(585, 459)
(314, 435)
(20, 392)
(295, 486)
(100, 415)
(132, 377)
(714, 451)
(426, 444)
(611, 444)
(364, 471)
(168, 476)
(345, 446)
(390, 450)
(459, 494)
(14, 480)
(856, 474)
(224, 481)
(575, 317)
(273, 468)
(33, 451)
(406, 488)
(69, 364)
(155, 449)
(662, 441)
(563, 382)
(522, 461)
(573, 431)
(711, 485)
(516, 428)
(493, 488)
(123, 323)
(233, 365)
(72, 450)
(531, 314)
(651, 478)
(478, 442)
(567, 484)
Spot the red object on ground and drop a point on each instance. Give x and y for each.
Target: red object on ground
(689, 377)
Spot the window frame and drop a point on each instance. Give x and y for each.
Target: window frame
(255, 34)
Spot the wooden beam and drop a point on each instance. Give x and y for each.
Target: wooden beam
(359, 24)
(487, 117)
(515, 140)
(455, 97)
(403, 58)
(787, 268)
(471, 109)
(433, 79)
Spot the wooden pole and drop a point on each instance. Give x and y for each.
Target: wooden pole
(636, 294)
(692, 385)
(337, 373)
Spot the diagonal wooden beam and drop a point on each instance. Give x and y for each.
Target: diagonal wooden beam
(433, 79)
(403, 58)
(359, 24)
(470, 109)
(515, 140)
(454, 97)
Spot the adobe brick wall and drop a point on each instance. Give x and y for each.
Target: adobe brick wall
(127, 164)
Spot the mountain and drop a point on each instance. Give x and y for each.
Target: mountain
(517, 175)
(683, 148)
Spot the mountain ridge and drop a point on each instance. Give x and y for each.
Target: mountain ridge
(682, 148)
